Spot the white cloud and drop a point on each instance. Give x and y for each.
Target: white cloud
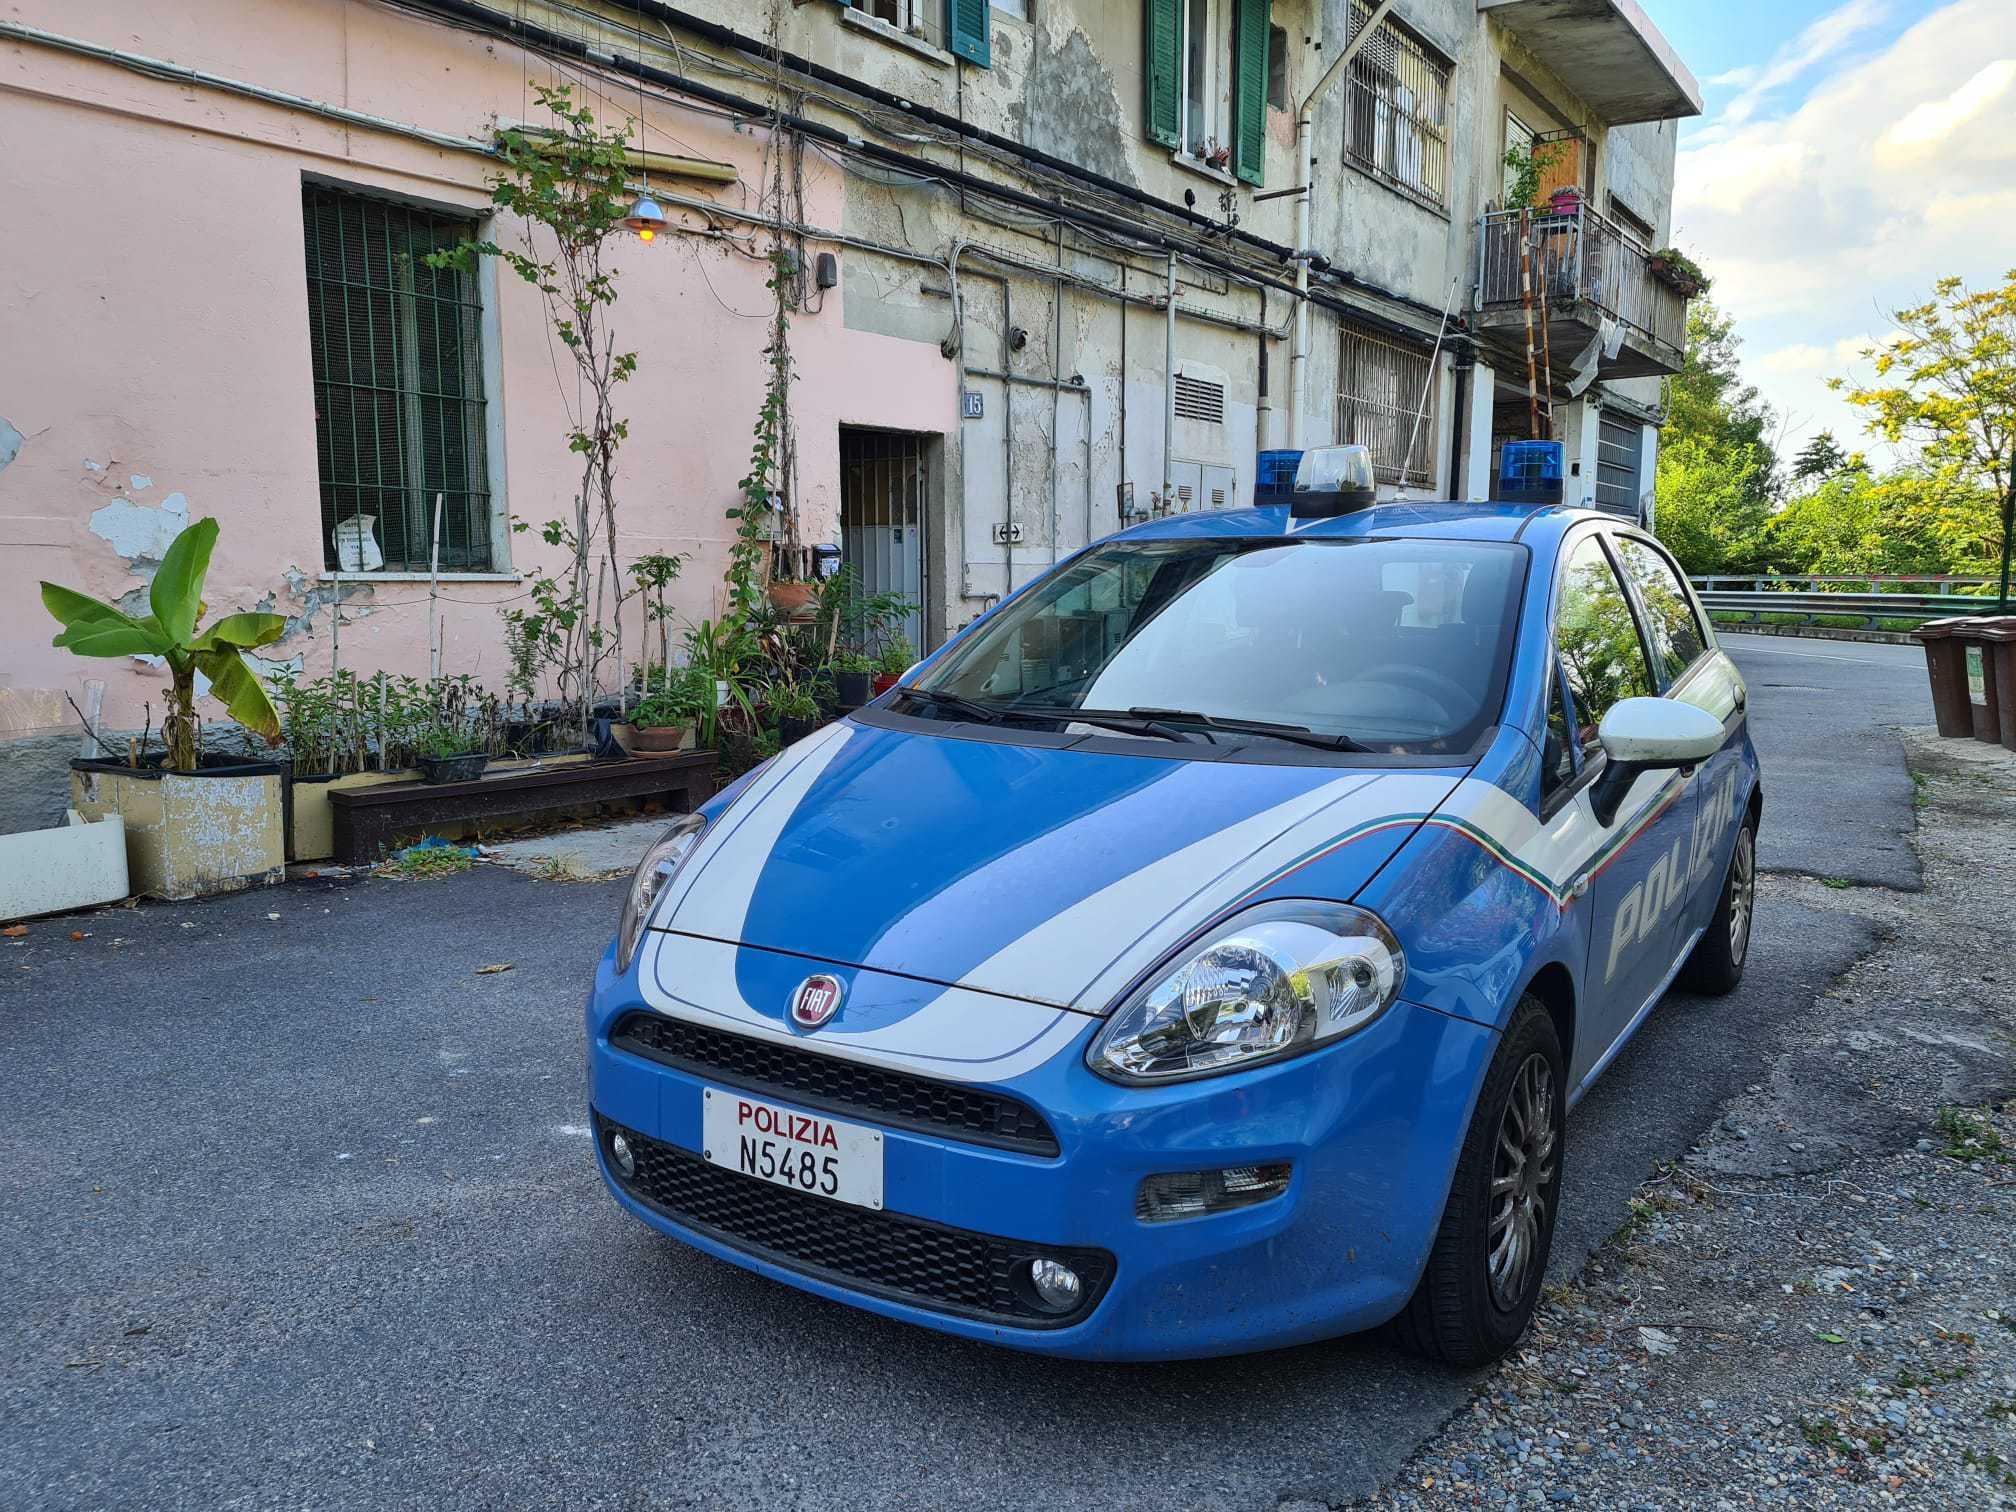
(1896, 170)
(1822, 39)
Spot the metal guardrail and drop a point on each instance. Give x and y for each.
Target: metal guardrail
(1883, 602)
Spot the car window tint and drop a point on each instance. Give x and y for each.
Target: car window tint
(1596, 635)
(1558, 757)
(1399, 644)
(1676, 638)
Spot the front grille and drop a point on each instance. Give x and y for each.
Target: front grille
(843, 1087)
(910, 1260)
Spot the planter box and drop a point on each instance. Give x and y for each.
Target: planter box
(190, 834)
(464, 767)
(75, 866)
(311, 834)
(662, 740)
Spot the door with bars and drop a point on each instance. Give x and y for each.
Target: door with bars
(882, 498)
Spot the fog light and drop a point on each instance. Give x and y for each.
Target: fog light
(620, 1153)
(1057, 1285)
(1192, 1194)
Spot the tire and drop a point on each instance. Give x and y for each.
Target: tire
(1475, 1296)
(1715, 965)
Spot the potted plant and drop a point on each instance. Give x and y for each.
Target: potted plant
(1565, 201)
(852, 673)
(795, 601)
(796, 710)
(1678, 272)
(670, 719)
(447, 753)
(898, 657)
(194, 823)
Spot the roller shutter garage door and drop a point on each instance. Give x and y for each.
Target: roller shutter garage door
(1619, 446)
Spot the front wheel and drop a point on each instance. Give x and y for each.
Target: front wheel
(1482, 1281)
(1715, 965)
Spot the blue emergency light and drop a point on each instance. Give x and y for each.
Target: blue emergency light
(1274, 476)
(1530, 472)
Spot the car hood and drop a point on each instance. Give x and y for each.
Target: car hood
(1052, 875)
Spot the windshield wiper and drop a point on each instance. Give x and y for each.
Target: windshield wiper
(1271, 729)
(971, 708)
(1129, 721)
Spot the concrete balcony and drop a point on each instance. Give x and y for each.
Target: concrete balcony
(1589, 279)
(1608, 52)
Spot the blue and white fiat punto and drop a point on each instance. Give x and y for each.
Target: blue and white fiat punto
(1201, 951)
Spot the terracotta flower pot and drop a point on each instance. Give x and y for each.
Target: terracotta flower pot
(663, 740)
(795, 600)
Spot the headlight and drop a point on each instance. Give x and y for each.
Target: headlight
(1276, 980)
(657, 868)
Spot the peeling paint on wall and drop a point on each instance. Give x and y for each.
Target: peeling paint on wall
(1071, 110)
(141, 533)
(10, 442)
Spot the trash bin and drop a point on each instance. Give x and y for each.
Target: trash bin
(2000, 636)
(1946, 665)
(1979, 640)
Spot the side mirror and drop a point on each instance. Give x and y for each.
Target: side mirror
(1649, 735)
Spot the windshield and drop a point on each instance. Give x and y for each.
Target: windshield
(1388, 645)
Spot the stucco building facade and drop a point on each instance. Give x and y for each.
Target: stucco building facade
(1044, 278)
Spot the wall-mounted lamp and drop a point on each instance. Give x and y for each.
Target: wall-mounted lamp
(646, 218)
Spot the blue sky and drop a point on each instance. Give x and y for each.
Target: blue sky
(1851, 152)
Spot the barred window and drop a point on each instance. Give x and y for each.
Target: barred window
(1380, 395)
(1396, 112)
(396, 349)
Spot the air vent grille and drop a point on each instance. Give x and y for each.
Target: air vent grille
(1200, 399)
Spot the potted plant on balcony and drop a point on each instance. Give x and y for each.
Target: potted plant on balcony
(1678, 272)
(195, 822)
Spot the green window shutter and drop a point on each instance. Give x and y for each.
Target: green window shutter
(966, 30)
(1249, 90)
(1162, 68)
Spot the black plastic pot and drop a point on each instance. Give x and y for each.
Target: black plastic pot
(791, 730)
(464, 768)
(852, 688)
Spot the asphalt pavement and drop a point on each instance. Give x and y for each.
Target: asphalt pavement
(301, 1212)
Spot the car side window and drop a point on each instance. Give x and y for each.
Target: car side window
(1596, 637)
(1676, 636)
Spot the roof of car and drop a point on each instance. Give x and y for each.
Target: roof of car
(1437, 520)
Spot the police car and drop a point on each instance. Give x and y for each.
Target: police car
(1201, 952)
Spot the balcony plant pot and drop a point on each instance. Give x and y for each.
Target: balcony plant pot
(465, 767)
(791, 729)
(664, 740)
(217, 829)
(76, 865)
(884, 681)
(852, 688)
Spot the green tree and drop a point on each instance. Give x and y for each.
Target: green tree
(1708, 401)
(1946, 385)
(1820, 458)
(1716, 477)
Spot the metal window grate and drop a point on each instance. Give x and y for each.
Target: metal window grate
(1617, 454)
(1396, 112)
(1200, 399)
(396, 350)
(1380, 393)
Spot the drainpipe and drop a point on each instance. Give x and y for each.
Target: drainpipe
(1169, 385)
(1463, 358)
(1305, 168)
(1263, 404)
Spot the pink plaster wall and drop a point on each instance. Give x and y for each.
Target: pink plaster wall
(155, 324)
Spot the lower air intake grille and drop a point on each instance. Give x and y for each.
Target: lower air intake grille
(905, 1259)
(894, 1099)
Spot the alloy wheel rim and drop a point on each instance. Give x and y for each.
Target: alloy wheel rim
(1522, 1179)
(1742, 893)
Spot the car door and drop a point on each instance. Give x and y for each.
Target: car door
(1691, 668)
(1630, 875)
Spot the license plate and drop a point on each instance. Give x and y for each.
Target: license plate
(807, 1152)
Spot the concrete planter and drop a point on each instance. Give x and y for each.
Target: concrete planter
(190, 834)
(74, 866)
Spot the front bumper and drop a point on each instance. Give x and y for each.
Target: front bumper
(1371, 1126)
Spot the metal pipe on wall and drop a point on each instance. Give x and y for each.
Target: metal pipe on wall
(1169, 383)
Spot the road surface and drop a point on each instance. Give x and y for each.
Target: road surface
(301, 1212)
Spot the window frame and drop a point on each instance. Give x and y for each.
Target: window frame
(1588, 765)
(1384, 469)
(1638, 537)
(486, 459)
(1383, 106)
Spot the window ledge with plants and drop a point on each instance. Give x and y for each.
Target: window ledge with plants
(1205, 169)
(420, 577)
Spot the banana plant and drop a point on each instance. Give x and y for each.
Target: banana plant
(92, 627)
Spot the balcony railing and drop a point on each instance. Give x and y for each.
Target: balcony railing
(1578, 257)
